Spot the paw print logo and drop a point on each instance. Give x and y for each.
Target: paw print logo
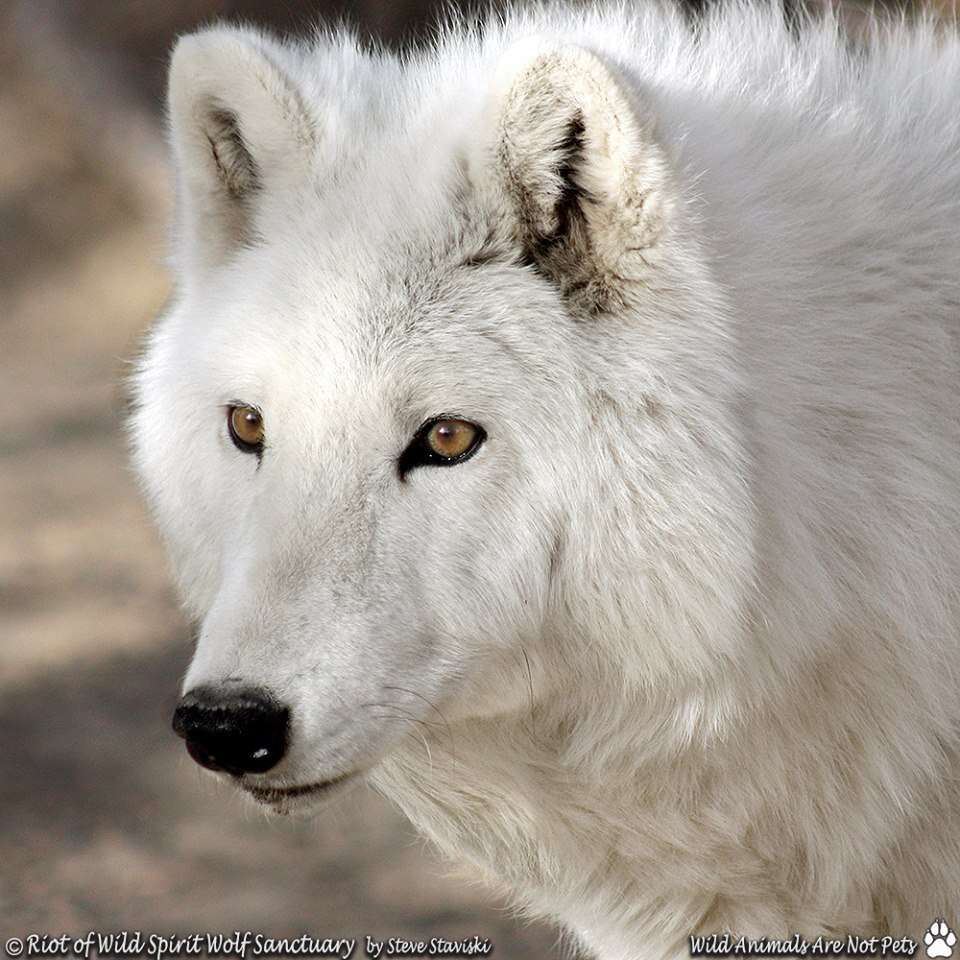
(939, 939)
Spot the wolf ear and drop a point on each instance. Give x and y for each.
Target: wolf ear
(586, 188)
(238, 127)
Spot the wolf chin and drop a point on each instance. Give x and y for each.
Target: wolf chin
(668, 644)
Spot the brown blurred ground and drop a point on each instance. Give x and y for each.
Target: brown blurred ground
(104, 823)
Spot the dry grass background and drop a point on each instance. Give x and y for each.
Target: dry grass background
(104, 822)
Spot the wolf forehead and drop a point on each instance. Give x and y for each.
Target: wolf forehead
(416, 320)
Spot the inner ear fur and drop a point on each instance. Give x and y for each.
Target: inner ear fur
(236, 169)
(585, 184)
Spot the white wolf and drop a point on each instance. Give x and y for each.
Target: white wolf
(560, 429)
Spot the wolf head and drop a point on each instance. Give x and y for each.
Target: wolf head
(438, 415)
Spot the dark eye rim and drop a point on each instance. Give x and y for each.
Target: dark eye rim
(254, 448)
(419, 453)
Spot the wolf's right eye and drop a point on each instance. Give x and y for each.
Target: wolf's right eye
(245, 425)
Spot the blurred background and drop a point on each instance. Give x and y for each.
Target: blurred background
(105, 824)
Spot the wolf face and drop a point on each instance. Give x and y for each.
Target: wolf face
(357, 272)
(595, 405)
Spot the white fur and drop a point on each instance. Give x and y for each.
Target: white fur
(677, 650)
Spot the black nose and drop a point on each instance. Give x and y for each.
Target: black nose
(237, 730)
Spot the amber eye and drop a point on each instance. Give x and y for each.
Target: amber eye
(450, 439)
(442, 442)
(246, 428)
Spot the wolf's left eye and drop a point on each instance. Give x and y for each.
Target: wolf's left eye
(451, 439)
(246, 428)
(442, 442)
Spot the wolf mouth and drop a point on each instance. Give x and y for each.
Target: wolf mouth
(277, 794)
